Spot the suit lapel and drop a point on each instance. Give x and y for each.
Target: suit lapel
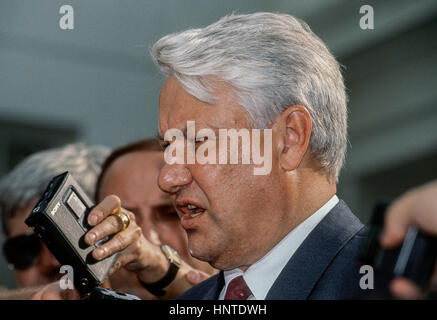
(215, 287)
(304, 269)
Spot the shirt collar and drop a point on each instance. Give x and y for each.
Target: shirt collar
(261, 275)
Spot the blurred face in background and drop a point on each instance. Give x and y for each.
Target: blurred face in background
(133, 177)
(35, 265)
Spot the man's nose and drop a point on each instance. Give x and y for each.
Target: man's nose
(174, 177)
(47, 263)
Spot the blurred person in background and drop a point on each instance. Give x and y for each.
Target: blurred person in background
(131, 172)
(32, 262)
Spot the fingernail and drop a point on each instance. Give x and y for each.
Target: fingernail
(194, 276)
(90, 238)
(99, 253)
(92, 219)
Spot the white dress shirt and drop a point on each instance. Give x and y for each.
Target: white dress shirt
(261, 275)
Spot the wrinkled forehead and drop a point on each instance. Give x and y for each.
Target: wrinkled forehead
(177, 106)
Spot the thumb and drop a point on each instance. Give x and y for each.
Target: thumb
(196, 276)
(396, 222)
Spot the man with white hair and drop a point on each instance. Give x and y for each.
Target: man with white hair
(283, 234)
(20, 189)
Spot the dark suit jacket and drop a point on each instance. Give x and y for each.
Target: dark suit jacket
(323, 267)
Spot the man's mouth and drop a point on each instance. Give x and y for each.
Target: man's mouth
(194, 210)
(187, 210)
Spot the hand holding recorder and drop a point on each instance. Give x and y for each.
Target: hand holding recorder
(98, 240)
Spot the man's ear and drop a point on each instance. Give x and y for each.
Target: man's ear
(296, 131)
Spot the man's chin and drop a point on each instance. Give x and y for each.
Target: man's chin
(199, 250)
(214, 260)
(199, 255)
(204, 250)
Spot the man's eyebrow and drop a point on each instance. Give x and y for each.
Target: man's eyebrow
(132, 209)
(163, 204)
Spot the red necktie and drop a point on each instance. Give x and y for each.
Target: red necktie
(237, 289)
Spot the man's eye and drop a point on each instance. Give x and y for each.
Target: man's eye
(166, 213)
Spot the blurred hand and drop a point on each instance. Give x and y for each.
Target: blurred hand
(53, 291)
(196, 276)
(417, 207)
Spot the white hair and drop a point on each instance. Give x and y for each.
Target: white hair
(271, 61)
(29, 179)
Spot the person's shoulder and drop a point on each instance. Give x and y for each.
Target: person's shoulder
(341, 279)
(206, 290)
(355, 236)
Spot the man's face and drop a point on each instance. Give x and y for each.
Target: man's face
(133, 177)
(239, 213)
(45, 267)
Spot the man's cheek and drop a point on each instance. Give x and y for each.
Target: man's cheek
(218, 182)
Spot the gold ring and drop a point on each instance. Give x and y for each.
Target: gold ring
(124, 218)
